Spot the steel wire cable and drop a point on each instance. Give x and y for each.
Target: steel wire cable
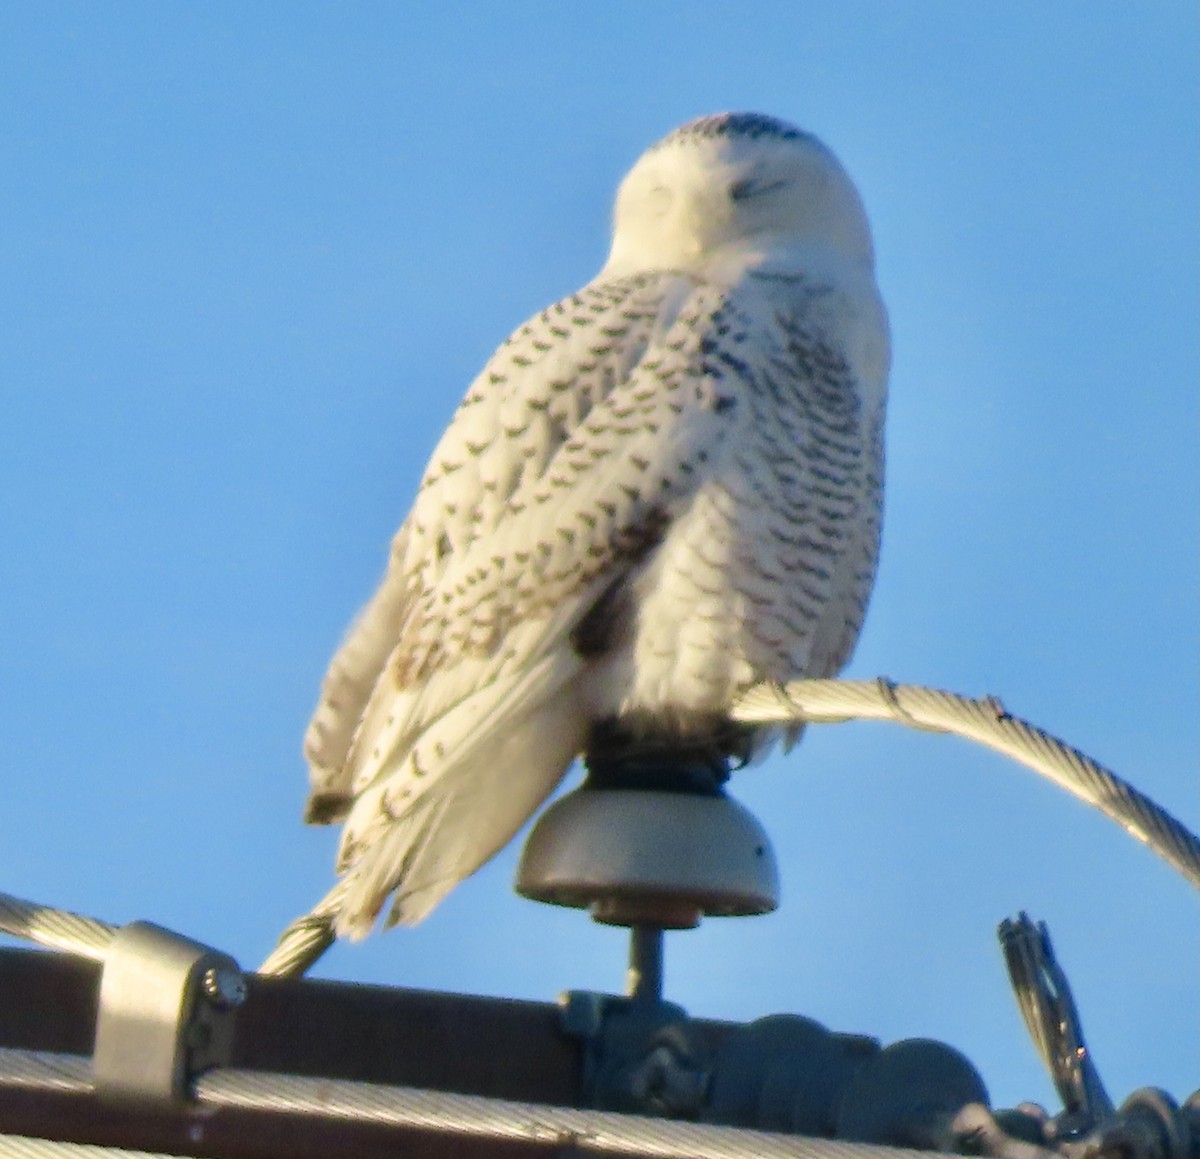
(583, 1132)
(27, 1147)
(58, 929)
(986, 722)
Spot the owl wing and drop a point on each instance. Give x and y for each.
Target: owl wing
(585, 435)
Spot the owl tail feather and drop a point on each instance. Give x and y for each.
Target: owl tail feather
(456, 826)
(472, 809)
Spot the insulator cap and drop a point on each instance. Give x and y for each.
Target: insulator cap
(650, 857)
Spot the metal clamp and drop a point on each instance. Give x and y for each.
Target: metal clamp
(1044, 997)
(166, 1013)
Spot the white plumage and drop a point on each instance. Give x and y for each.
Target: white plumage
(661, 490)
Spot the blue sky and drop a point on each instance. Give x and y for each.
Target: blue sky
(253, 254)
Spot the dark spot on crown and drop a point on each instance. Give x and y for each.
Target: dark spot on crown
(751, 126)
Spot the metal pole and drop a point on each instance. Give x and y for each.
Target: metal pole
(644, 979)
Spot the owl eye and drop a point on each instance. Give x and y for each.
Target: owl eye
(659, 199)
(750, 187)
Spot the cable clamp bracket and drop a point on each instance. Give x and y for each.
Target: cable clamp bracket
(167, 1012)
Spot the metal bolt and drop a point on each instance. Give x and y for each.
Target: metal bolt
(224, 987)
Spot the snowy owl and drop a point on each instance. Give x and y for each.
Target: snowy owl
(660, 491)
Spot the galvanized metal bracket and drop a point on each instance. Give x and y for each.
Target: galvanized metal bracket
(167, 1007)
(634, 1057)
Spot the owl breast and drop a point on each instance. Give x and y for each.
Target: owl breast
(765, 575)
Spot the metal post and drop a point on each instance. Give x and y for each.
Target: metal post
(644, 979)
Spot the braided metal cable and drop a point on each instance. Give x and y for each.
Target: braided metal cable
(25, 1147)
(567, 1129)
(306, 939)
(55, 928)
(986, 722)
(802, 701)
(563, 1129)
